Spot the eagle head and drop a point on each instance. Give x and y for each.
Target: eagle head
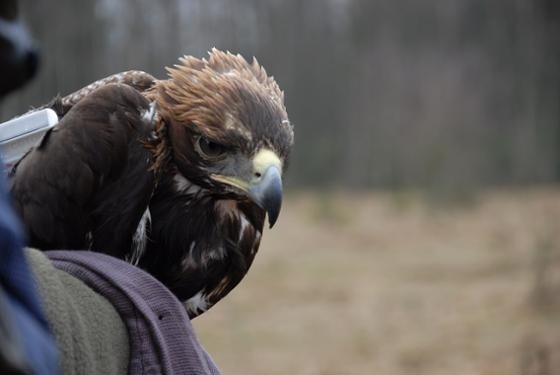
(227, 127)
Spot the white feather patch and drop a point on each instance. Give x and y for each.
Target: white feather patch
(89, 239)
(206, 256)
(149, 115)
(255, 246)
(244, 224)
(212, 254)
(140, 238)
(197, 304)
(184, 186)
(188, 260)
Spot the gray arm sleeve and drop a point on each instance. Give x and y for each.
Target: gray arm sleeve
(91, 337)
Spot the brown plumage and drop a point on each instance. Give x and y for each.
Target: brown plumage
(204, 153)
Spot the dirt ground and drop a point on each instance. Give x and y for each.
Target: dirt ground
(384, 283)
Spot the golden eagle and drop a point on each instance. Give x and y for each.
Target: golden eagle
(174, 175)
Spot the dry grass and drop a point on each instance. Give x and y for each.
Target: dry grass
(385, 284)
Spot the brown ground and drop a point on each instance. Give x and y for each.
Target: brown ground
(388, 284)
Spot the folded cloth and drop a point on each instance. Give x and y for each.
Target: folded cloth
(161, 337)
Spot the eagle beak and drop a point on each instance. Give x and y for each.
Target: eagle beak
(266, 191)
(262, 183)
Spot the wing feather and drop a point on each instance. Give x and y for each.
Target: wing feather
(89, 177)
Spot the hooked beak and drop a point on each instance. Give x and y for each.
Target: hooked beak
(263, 185)
(267, 193)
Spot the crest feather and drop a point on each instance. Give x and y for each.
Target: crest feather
(209, 92)
(226, 63)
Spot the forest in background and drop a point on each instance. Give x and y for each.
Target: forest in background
(386, 93)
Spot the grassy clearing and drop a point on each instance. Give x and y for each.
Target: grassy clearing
(385, 284)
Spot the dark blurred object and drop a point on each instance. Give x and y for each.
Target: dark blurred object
(18, 55)
(12, 358)
(26, 345)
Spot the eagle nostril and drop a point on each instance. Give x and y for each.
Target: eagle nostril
(258, 174)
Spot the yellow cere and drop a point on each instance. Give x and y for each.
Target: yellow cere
(264, 159)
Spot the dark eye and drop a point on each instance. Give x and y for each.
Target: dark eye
(209, 148)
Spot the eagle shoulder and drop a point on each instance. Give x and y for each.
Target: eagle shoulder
(89, 177)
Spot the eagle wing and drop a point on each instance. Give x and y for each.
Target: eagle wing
(87, 184)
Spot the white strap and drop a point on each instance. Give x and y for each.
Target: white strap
(18, 135)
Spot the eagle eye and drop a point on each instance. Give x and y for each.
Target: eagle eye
(209, 148)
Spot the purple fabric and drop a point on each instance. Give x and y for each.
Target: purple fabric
(162, 339)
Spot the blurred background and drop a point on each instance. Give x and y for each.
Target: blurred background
(421, 233)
